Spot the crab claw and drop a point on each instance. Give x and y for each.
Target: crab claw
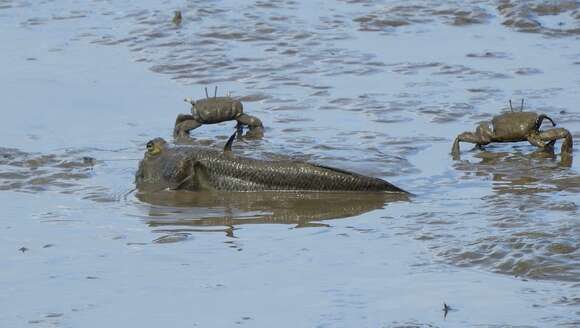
(189, 100)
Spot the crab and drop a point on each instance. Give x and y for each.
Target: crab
(513, 127)
(215, 110)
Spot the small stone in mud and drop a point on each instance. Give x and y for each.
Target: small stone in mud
(89, 160)
(23, 249)
(172, 238)
(446, 309)
(136, 244)
(488, 54)
(177, 18)
(528, 71)
(54, 315)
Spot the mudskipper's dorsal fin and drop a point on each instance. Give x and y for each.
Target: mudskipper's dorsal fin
(180, 182)
(228, 146)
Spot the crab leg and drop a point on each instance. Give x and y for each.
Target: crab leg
(254, 123)
(474, 138)
(559, 133)
(183, 124)
(536, 140)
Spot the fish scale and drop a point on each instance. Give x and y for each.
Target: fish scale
(242, 174)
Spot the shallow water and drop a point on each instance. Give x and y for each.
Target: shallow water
(377, 87)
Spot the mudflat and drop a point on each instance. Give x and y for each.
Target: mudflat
(376, 87)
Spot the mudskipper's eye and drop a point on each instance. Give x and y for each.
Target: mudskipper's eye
(150, 145)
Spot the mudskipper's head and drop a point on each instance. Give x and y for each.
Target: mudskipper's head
(150, 175)
(155, 147)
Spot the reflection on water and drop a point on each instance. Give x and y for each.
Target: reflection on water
(529, 226)
(186, 210)
(520, 173)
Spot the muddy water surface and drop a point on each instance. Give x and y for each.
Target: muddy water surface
(377, 87)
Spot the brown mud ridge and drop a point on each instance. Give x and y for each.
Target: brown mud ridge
(402, 14)
(556, 18)
(551, 18)
(29, 172)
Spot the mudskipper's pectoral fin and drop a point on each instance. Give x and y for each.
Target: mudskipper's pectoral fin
(228, 146)
(182, 176)
(200, 180)
(179, 185)
(196, 180)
